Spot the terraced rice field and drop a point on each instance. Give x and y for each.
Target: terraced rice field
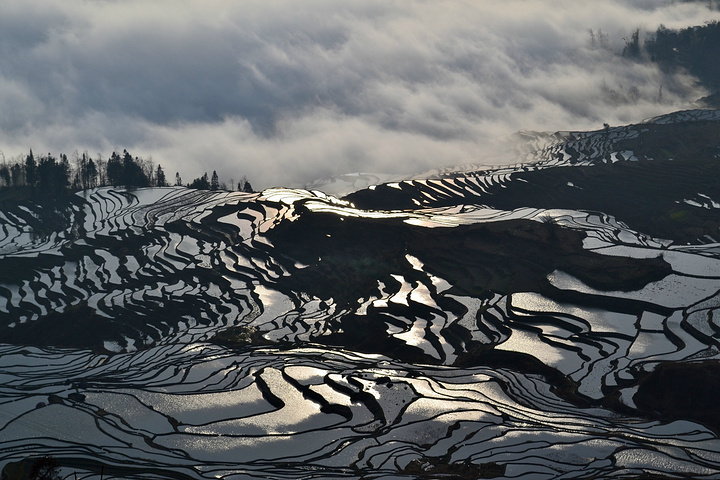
(505, 323)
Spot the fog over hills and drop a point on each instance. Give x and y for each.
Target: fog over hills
(287, 93)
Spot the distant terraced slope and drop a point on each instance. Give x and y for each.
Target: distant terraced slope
(525, 322)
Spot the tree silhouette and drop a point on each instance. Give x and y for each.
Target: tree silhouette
(17, 174)
(51, 175)
(5, 175)
(160, 177)
(101, 170)
(244, 185)
(126, 171)
(30, 170)
(696, 49)
(114, 170)
(86, 174)
(201, 183)
(133, 175)
(632, 45)
(92, 173)
(45, 468)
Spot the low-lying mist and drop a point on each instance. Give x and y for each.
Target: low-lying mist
(286, 93)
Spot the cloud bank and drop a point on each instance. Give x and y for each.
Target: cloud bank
(286, 92)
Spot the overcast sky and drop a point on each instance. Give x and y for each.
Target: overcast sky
(287, 91)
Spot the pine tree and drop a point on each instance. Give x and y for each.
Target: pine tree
(5, 175)
(201, 183)
(30, 170)
(16, 172)
(115, 170)
(81, 175)
(214, 183)
(244, 185)
(632, 45)
(160, 177)
(92, 173)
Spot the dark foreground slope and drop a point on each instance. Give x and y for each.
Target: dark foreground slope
(554, 319)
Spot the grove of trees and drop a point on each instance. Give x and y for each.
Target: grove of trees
(695, 49)
(50, 175)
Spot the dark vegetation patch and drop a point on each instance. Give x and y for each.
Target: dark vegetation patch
(695, 49)
(682, 391)
(383, 197)
(436, 468)
(240, 336)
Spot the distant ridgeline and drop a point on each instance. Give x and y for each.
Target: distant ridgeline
(48, 175)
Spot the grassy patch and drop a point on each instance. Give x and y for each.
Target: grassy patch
(679, 216)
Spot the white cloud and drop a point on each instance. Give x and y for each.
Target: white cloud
(285, 92)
